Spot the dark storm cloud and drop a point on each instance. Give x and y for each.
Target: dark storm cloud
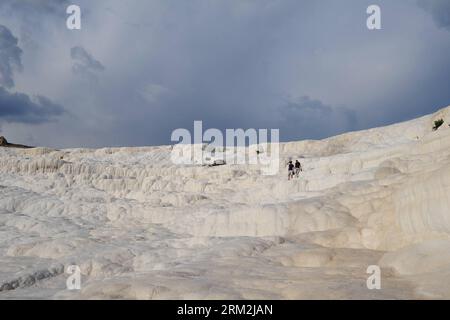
(84, 63)
(19, 7)
(10, 57)
(19, 108)
(440, 11)
(31, 18)
(306, 118)
(230, 63)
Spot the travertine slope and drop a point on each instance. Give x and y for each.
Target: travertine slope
(141, 227)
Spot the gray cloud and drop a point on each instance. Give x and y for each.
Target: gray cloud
(230, 63)
(19, 6)
(440, 11)
(32, 18)
(306, 118)
(10, 57)
(19, 108)
(84, 63)
(32, 12)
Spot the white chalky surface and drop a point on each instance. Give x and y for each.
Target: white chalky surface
(140, 227)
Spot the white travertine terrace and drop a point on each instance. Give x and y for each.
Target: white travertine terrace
(140, 227)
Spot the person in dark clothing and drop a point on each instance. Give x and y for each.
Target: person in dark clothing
(290, 170)
(298, 168)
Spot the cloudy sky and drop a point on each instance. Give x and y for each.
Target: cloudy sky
(137, 69)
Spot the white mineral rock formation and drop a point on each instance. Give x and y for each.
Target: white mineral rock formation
(140, 227)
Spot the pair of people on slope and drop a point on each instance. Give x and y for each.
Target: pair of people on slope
(292, 172)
